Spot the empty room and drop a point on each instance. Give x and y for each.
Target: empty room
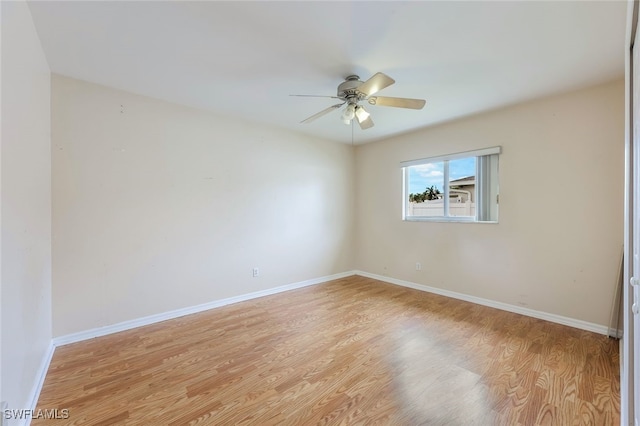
(337, 213)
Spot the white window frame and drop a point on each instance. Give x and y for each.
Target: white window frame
(483, 192)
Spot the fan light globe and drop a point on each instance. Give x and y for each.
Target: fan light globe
(349, 113)
(362, 114)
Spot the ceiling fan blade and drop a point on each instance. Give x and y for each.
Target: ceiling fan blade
(366, 124)
(397, 102)
(363, 117)
(321, 113)
(316, 96)
(378, 82)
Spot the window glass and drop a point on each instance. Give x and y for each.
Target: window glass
(454, 187)
(426, 188)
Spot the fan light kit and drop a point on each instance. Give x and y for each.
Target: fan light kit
(352, 91)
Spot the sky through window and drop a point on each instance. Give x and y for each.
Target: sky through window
(425, 175)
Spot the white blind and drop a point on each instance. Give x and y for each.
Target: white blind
(475, 153)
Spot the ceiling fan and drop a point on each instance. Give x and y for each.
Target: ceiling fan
(352, 91)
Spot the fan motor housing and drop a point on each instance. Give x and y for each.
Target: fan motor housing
(348, 88)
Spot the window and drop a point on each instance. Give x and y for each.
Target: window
(459, 187)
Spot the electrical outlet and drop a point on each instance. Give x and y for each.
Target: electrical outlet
(418, 266)
(256, 272)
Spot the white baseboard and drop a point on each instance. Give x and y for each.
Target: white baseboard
(151, 319)
(139, 322)
(583, 325)
(40, 376)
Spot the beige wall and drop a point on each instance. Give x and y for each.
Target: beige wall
(157, 206)
(26, 206)
(566, 150)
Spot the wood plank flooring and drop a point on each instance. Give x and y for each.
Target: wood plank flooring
(354, 351)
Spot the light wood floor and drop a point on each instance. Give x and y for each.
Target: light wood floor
(351, 351)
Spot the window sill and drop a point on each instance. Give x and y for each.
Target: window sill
(445, 219)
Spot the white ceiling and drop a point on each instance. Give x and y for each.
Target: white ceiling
(246, 58)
